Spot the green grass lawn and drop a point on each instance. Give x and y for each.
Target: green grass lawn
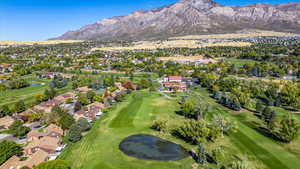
(27, 94)
(99, 148)
(272, 154)
(240, 62)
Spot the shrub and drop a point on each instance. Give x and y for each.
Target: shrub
(17, 129)
(193, 131)
(83, 124)
(74, 134)
(159, 125)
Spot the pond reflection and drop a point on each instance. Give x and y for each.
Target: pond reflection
(149, 147)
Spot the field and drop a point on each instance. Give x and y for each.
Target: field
(99, 148)
(152, 45)
(245, 34)
(188, 59)
(194, 41)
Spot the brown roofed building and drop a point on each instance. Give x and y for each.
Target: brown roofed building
(36, 158)
(14, 161)
(34, 135)
(47, 106)
(47, 143)
(83, 89)
(53, 131)
(6, 121)
(64, 97)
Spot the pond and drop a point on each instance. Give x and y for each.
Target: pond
(35, 85)
(149, 147)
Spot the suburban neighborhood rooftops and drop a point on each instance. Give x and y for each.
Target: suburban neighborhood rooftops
(14, 161)
(175, 78)
(38, 157)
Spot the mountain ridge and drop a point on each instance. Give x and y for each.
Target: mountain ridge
(187, 17)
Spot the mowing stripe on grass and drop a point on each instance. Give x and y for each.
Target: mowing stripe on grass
(127, 114)
(265, 149)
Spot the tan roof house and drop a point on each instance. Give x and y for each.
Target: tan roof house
(37, 158)
(64, 97)
(47, 143)
(54, 131)
(47, 106)
(83, 89)
(6, 121)
(14, 161)
(34, 135)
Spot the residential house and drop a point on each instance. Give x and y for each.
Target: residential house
(46, 143)
(47, 106)
(64, 97)
(54, 131)
(172, 83)
(6, 121)
(83, 89)
(175, 79)
(12, 163)
(50, 75)
(36, 158)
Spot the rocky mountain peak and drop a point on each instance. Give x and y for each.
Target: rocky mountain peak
(200, 4)
(191, 17)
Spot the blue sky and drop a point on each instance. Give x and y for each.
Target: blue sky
(43, 19)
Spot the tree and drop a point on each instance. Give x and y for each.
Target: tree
(40, 98)
(90, 95)
(66, 120)
(188, 109)
(97, 99)
(55, 164)
(194, 131)
(201, 154)
(259, 107)
(144, 83)
(17, 129)
(223, 123)
(239, 165)
(159, 125)
(269, 115)
(200, 111)
(218, 155)
(19, 107)
(289, 128)
(8, 149)
(34, 116)
(50, 94)
(77, 106)
(83, 100)
(5, 111)
(74, 134)
(83, 124)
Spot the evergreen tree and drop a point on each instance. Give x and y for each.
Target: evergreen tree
(201, 154)
(259, 107)
(83, 124)
(74, 134)
(289, 128)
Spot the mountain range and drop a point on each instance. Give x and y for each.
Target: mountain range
(191, 17)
